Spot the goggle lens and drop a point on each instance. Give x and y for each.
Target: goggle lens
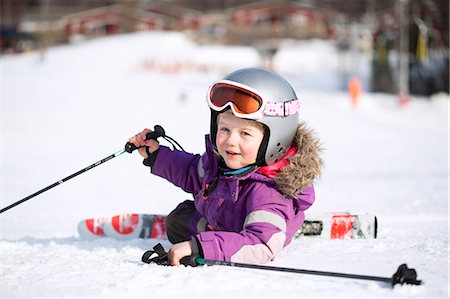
(244, 101)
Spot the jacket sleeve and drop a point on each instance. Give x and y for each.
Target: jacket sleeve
(179, 168)
(266, 230)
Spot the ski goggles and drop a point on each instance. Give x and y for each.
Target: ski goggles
(246, 102)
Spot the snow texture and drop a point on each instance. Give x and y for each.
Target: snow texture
(76, 104)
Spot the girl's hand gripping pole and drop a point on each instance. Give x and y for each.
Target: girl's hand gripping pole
(158, 132)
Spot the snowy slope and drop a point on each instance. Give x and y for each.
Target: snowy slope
(82, 102)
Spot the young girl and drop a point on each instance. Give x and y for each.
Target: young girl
(253, 183)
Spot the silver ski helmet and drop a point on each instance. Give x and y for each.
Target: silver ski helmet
(261, 95)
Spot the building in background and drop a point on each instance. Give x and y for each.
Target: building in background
(372, 27)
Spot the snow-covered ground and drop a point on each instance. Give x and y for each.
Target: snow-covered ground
(80, 103)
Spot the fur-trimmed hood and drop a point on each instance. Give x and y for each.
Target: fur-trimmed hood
(304, 167)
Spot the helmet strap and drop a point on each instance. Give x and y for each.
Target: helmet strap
(261, 157)
(213, 128)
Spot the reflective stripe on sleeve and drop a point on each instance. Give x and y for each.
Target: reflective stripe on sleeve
(266, 217)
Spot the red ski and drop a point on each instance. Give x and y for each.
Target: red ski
(124, 227)
(149, 226)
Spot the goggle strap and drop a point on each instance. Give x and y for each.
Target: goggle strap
(282, 108)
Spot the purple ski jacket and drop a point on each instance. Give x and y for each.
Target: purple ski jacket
(244, 219)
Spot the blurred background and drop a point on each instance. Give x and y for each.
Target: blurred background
(398, 47)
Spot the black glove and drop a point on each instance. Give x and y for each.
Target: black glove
(151, 158)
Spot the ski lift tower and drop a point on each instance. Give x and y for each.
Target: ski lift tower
(403, 88)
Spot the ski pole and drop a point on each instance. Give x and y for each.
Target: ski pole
(129, 148)
(403, 274)
(159, 256)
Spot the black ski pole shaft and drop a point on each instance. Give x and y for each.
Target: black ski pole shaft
(129, 148)
(401, 276)
(63, 180)
(292, 270)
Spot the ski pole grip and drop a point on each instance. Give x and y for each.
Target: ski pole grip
(190, 260)
(158, 132)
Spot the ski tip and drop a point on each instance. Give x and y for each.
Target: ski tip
(91, 229)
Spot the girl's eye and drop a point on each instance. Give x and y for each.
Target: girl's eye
(246, 134)
(223, 129)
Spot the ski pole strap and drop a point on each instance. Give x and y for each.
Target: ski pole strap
(159, 256)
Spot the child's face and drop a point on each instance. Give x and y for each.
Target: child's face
(238, 140)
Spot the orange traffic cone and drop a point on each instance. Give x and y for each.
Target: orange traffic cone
(354, 89)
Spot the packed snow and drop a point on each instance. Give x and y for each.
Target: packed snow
(72, 105)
